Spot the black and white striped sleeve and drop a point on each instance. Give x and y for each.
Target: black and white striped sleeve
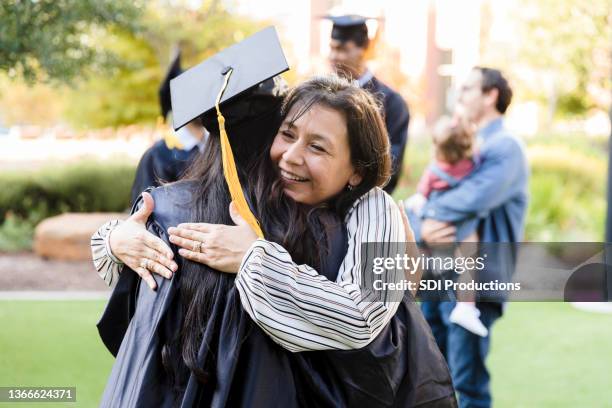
(107, 265)
(302, 310)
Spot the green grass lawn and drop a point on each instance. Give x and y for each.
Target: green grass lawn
(52, 343)
(543, 354)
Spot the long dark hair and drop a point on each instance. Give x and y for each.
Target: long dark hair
(298, 228)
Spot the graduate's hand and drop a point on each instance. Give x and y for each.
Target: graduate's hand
(140, 250)
(412, 249)
(219, 246)
(437, 232)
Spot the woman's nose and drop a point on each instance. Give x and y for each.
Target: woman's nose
(294, 154)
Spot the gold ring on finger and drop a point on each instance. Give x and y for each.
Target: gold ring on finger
(197, 246)
(144, 263)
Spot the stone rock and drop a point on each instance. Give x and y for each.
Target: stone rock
(67, 236)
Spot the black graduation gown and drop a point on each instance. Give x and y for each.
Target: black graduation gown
(160, 164)
(397, 118)
(401, 367)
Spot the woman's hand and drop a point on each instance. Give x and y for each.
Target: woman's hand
(221, 247)
(142, 251)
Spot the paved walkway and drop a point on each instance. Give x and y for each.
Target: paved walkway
(26, 272)
(54, 295)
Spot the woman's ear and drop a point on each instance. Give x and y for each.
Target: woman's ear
(355, 179)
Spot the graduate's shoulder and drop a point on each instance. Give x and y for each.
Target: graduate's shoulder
(175, 192)
(174, 201)
(392, 98)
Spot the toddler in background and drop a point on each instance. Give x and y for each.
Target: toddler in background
(454, 159)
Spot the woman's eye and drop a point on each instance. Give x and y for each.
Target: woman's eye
(288, 134)
(318, 148)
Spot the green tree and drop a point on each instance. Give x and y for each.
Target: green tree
(570, 42)
(129, 94)
(56, 39)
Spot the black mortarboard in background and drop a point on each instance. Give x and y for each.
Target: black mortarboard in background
(164, 89)
(241, 85)
(350, 27)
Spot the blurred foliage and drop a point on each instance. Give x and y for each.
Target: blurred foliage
(569, 43)
(130, 94)
(86, 186)
(567, 201)
(29, 197)
(16, 234)
(57, 39)
(113, 66)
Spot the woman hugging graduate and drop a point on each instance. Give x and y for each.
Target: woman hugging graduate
(201, 338)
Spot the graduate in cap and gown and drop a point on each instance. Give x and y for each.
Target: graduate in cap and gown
(189, 342)
(168, 159)
(349, 47)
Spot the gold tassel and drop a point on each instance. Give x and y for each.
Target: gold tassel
(229, 168)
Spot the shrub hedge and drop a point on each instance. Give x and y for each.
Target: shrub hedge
(79, 187)
(28, 197)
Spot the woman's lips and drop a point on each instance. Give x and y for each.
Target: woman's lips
(292, 178)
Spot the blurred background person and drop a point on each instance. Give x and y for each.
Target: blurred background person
(454, 159)
(167, 160)
(497, 192)
(349, 46)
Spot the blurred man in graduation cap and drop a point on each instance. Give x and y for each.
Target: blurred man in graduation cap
(349, 47)
(168, 159)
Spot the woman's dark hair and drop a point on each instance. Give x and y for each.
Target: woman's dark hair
(367, 134)
(298, 228)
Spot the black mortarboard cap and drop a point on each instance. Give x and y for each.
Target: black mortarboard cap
(164, 89)
(232, 82)
(350, 27)
(252, 61)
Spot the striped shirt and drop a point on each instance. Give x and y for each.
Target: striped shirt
(297, 307)
(302, 310)
(107, 265)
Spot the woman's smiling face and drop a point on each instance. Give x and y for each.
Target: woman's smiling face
(313, 155)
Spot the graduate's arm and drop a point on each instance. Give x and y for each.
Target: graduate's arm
(302, 310)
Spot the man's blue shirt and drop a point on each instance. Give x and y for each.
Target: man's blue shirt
(496, 191)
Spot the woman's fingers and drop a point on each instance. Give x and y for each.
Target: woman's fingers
(185, 243)
(411, 250)
(157, 244)
(154, 254)
(407, 227)
(190, 234)
(147, 277)
(159, 269)
(155, 262)
(198, 226)
(193, 256)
